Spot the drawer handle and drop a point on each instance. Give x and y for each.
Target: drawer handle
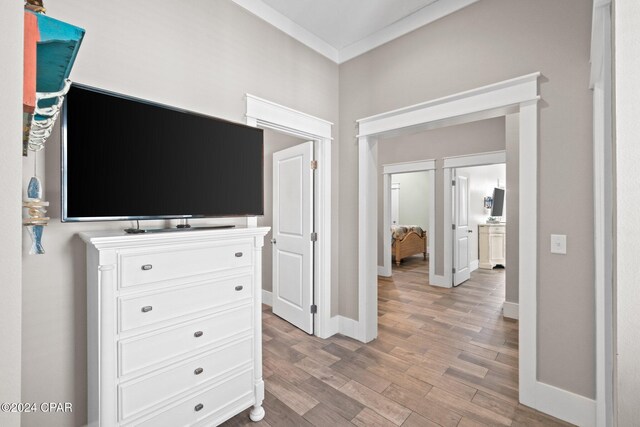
(238, 254)
(198, 334)
(199, 407)
(239, 287)
(198, 371)
(147, 308)
(147, 267)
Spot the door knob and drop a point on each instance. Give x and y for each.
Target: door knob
(273, 241)
(469, 231)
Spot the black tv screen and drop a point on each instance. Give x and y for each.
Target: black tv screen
(498, 202)
(124, 158)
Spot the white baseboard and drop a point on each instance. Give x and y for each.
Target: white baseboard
(342, 325)
(473, 265)
(334, 327)
(563, 404)
(267, 298)
(348, 327)
(384, 272)
(440, 281)
(511, 310)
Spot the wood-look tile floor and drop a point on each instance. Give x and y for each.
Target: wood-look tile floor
(443, 357)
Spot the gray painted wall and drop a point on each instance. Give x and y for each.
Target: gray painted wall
(469, 138)
(11, 45)
(487, 42)
(627, 201)
(202, 57)
(413, 203)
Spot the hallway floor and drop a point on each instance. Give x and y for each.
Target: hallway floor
(443, 357)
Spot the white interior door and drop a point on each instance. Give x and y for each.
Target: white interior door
(292, 228)
(395, 204)
(461, 248)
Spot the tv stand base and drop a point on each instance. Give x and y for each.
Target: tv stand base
(168, 230)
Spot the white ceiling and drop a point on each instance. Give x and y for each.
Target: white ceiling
(344, 29)
(341, 23)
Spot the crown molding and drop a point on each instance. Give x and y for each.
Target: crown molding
(287, 26)
(424, 16)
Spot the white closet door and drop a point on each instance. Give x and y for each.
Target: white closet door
(292, 228)
(461, 233)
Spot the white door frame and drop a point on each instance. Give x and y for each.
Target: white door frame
(601, 84)
(518, 95)
(269, 115)
(406, 167)
(468, 160)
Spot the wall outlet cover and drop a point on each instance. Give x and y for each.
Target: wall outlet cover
(559, 244)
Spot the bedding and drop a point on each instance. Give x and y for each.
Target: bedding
(407, 240)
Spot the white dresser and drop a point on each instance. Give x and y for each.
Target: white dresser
(174, 327)
(491, 245)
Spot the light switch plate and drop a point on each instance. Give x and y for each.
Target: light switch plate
(559, 244)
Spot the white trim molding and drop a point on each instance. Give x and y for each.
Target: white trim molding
(499, 96)
(348, 327)
(516, 95)
(266, 114)
(345, 326)
(474, 265)
(406, 167)
(601, 83)
(510, 310)
(384, 272)
(424, 16)
(289, 27)
(479, 159)
(267, 298)
(565, 405)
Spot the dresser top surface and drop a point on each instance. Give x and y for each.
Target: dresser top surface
(111, 238)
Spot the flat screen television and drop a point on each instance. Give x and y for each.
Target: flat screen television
(497, 208)
(125, 158)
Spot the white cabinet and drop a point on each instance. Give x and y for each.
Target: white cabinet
(174, 327)
(492, 245)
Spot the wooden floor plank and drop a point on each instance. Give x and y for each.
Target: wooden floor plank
(369, 418)
(425, 407)
(416, 420)
(468, 409)
(341, 403)
(443, 357)
(290, 395)
(323, 373)
(389, 409)
(280, 415)
(323, 416)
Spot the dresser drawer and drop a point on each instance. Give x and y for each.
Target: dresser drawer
(139, 395)
(233, 390)
(137, 311)
(150, 349)
(142, 268)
